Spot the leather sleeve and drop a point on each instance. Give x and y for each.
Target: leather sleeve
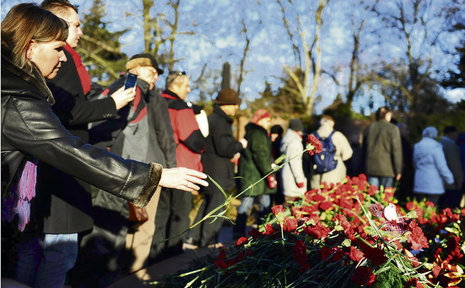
(31, 127)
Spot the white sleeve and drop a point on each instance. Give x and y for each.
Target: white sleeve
(202, 120)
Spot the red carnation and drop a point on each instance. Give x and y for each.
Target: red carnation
(290, 224)
(311, 139)
(436, 270)
(356, 254)
(453, 245)
(299, 253)
(417, 237)
(363, 276)
(269, 229)
(241, 241)
(335, 253)
(410, 206)
(255, 233)
(326, 205)
(375, 255)
(318, 198)
(220, 261)
(277, 209)
(318, 232)
(372, 190)
(429, 204)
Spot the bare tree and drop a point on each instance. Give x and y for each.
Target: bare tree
(411, 21)
(244, 57)
(311, 65)
(159, 30)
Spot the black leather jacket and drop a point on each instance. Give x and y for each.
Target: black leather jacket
(30, 130)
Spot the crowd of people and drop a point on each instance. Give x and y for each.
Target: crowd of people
(97, 182)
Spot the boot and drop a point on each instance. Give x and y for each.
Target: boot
(239, 228)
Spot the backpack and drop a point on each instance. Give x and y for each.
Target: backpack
(324, 161)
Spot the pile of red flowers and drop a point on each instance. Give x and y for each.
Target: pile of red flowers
(343, 235)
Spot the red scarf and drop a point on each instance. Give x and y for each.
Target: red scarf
(81, 69)
(137, 102)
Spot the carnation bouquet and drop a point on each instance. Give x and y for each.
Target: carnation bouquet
(348, 234)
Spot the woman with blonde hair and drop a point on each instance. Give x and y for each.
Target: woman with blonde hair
(32, 50)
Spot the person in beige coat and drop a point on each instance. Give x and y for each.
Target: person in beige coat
(343, 153)
(294, 182)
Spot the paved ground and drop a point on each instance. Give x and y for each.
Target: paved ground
(172, 265)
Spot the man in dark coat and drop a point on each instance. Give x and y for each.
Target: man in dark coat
(382, 150)
(221, 146)
(142, 132)
(65, 201)
(254, 164)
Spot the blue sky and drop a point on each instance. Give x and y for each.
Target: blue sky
(217, 25)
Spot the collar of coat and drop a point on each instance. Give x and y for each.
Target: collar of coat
(217, 110)
(170, 95)
(251, 126)
(34, 79)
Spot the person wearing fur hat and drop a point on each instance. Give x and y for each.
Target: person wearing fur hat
(294, 182)
(32, 51)
(254, 164)
(142, 132)
(221, 146)
(343, 152)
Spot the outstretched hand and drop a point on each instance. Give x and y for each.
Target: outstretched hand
(183, 179)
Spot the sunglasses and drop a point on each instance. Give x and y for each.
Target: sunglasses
(179, 73)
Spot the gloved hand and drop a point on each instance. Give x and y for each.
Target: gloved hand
(300, 184)
(272, 183)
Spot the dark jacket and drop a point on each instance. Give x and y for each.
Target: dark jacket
(220, 148)
(30, 130)
(148, 106)
(187, 136)
(382, 149)
(255, 161)
(66, 202)
(142, 131)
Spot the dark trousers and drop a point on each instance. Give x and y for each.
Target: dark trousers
(451, 199)
(206, 232)
(428, 197)
(171, 221)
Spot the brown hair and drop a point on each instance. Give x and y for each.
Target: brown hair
(381, 112)
(26, 22)
(58, 6)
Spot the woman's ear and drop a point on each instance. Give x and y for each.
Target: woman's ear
(30, 46)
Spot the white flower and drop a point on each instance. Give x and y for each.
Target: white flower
(390, 212)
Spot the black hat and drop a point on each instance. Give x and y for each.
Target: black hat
(143, 59)
(296, 125)
(227, 97)
(276, 129)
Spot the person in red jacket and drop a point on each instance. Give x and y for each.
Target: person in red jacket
(172, 218)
